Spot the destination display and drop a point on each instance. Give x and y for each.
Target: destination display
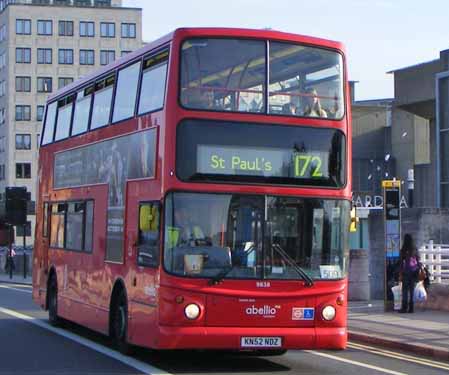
(227, 160)
(231, 152)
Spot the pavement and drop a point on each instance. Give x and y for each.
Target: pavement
(425, 332)
(16, 279)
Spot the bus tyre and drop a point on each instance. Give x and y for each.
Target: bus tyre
(53, 317)
(120, 324)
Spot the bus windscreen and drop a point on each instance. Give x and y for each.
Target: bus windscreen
(255, 153)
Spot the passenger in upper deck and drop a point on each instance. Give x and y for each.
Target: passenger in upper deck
(201, 98)
(290, 109)
(312, 105)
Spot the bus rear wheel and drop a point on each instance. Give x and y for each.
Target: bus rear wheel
(53, 317)
(120, 324)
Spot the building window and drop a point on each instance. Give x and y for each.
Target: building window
(23, 55)
(87, 29)
(23, 113)
(44, 55)
(44, 27)
(128, 30)
(2, 117)
(64, 81)
(102, 3)
(87, 57)
(2, 33)
(107, 30)
(2, 172)
(82, 3)
(2, 88)
(3, 60)
(23, 170)
(23, 27)
(124, 53)
(23, 141)
(40, 112)
(65, 56)
(23, 84)
(65, 28)
(44, 84)
(106, 57)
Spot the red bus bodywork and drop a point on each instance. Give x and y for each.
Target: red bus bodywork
(156, 299)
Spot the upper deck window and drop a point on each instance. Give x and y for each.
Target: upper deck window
(102, 102)
(154, 76)
(305, 81)
(125, 97)
(65, 107)
(82, 111)
(223, 74)
(49, 127)
(231, 75)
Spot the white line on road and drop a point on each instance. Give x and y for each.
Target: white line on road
(381, 369)
(131, 362)
(404, 357)
(17, 289)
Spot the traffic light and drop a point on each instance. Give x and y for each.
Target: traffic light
(16, 199)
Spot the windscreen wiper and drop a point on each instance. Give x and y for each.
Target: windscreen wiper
(222, 274)
(292, 263)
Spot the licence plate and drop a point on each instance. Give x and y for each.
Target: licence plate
(261, 342)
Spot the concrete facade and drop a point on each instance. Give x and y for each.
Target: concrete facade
(13, 41)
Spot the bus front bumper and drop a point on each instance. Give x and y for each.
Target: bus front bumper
(231, 338)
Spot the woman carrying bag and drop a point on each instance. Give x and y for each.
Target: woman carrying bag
(409, 269)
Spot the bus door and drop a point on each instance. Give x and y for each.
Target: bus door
(142, 258)
(41, 251)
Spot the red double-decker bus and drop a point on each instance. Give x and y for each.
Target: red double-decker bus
(196, 194)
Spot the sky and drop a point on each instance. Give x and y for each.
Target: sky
(379, 35)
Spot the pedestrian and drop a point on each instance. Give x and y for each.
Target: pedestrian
(10, 260)
(409, 270)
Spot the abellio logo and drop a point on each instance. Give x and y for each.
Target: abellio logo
(265, 310)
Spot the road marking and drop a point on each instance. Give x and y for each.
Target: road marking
(17, 289)
(360, 364)
(404, 357)
(129, 361)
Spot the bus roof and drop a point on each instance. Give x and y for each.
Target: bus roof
(194, 32)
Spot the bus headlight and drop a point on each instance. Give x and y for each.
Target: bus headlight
(192, 311)
(328, 313)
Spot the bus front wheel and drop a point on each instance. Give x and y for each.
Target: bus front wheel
(120, 324)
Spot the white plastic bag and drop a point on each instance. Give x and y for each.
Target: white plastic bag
(420, 294)
(397, 296)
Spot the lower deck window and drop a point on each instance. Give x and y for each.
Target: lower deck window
(71, 225)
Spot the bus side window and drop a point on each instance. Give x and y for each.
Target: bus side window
(148, 243)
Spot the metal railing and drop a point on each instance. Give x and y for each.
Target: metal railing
(436, 258)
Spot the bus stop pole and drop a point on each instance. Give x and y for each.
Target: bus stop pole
(24, 253)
